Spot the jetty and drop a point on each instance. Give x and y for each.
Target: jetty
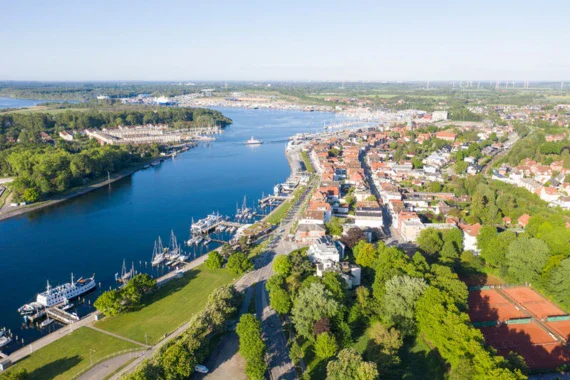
(61, 315)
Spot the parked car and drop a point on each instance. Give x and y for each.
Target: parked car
(201, 368)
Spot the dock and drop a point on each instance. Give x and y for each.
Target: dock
(224, 223)
(271, 200)
(61, 315)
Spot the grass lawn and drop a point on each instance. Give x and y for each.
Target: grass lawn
(169, 307)
(69, 355)
(307, 162)
(281, 212)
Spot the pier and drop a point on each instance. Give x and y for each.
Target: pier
(224, 223)
(61, 315)
(271, 200)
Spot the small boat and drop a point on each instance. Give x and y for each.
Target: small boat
(158, 253)
(182, 258)
(253, 141)
(48, 321)
(5, 340)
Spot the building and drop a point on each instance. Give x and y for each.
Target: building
(325, 249)
(309, 233)
(439, 116)
(470, 233)
(523, 220)
(368, 216)
(67, 136)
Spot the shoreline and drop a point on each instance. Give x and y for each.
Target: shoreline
(21, 210)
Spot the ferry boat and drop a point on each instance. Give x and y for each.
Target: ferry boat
(59, 294)
(203, 225)
(253, 141)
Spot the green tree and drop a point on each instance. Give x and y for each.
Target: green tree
(486, 234)
(334, 226)
(251, 346)
(215, 260)
(494, 251)
(325, 345)
(312, 303)
(365, 254)
(525, 259)
(109, 303)
(402, 293)
(430, 241)
(282, 265)
(280, 300)
(177, 362)
(296, 353)
(560, 282)
(239, 263)
(20, 374)
(31, 195)
(349, 365)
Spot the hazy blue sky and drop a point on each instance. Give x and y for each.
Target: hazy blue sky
(292, 40)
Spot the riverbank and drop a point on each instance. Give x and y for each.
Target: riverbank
(8, 211)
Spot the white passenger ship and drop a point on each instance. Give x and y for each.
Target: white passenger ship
(60, 294)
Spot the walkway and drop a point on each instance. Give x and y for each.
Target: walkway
(106, 368)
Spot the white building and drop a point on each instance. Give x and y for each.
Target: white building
(326, 249)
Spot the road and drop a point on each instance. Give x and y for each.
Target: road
(280, 366)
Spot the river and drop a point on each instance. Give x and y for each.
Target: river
(93, 233)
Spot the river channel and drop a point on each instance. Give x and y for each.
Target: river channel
(95, 232)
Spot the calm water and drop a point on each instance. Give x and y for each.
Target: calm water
(95, 232)
(19, 103)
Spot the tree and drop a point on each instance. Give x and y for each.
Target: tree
(334, 226)
(215, 260)
(109, 303)
(430, 241)
(20, 374)
(402, 293)
(177, 362)
(239, 263)
(251, 346)
(321, 326)
(312, 304)
(365, 254)
(325, 345)
(389, 339)
(296, 353)
(31, 195)
(560, 282)
(335, 284)
(280, 300)
(282, 265)
(349, 365)
(494, 251)
(525, 259)
(486, 234)
(352, 237)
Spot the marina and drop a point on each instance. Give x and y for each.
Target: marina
(152, 202)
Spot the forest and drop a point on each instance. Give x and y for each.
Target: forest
(43, 168)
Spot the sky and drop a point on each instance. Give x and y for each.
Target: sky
(284, 40)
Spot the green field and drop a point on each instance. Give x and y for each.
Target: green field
(281, 212)
(169, 307)
(69, 355)
(307, 162)
(46, 109)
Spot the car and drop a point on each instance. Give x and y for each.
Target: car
(201, 368)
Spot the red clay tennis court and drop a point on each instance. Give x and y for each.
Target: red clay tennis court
(489, 305)
(561, 327)
(534, 302)
(539, 349)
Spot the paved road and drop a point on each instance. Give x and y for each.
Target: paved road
(104, 369)
(221, 365)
